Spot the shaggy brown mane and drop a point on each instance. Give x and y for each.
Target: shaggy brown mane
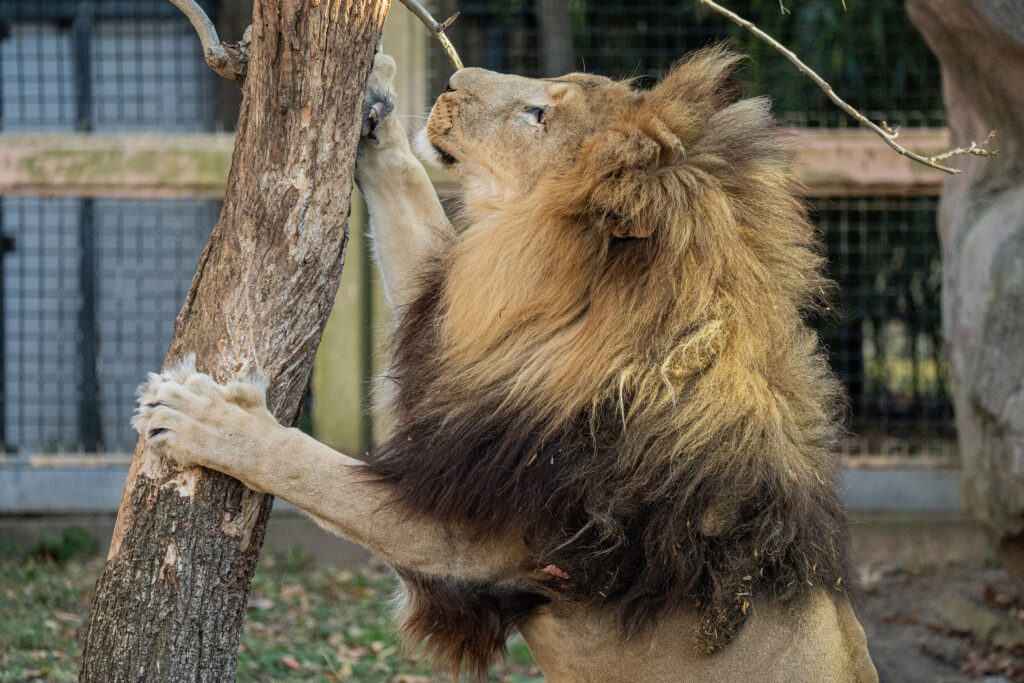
(616, 367)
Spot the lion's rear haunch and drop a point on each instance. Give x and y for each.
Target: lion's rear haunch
(639, 396)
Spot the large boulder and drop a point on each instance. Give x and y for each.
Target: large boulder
(980, 46)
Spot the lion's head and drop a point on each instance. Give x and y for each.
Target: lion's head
(610, 359)
(502, 133)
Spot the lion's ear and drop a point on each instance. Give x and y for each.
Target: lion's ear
(626, 168)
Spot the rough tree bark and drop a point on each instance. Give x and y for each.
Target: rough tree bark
(170, 603)
(980, 47)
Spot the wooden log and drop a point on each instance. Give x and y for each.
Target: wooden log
(170, 603)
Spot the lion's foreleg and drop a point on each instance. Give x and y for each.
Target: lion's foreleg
(407, 223)
(186, 416)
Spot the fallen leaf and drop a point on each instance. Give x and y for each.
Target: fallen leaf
(997, 599)
(980, 667)
(290, 662)
(944, 630)
(67, 616)
(290, 591)
(901, 620)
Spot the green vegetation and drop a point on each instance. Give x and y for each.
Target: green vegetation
(305, 622)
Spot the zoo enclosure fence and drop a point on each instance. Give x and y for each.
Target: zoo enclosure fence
(100, 241)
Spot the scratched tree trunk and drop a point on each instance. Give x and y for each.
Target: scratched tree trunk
(170, 603)
(980, 46)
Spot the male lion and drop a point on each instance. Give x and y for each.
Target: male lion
(610, 427)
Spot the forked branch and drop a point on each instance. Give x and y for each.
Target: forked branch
(229, 61)
(437, 29)
(887, 134)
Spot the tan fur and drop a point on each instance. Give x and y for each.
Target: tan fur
(722, 302)
(690, 329)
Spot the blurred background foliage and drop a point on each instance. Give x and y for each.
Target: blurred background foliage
(868, 51)
(885, 340)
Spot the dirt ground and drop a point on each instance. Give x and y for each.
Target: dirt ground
(913, 638)
(934, 604)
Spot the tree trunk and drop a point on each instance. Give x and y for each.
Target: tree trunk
(170, 603)
(980, 46)
(555, 37)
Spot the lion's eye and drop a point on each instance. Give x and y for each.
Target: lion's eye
(537, 113)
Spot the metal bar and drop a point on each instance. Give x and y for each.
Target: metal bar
(4, 446)
(5, 246)
(90, 432)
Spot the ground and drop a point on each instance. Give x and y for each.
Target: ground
(928, 620)
(306, 622)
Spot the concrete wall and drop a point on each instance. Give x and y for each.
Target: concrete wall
(47, 486)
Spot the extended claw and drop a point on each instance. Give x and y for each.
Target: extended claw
(380, 95)
(377, 107)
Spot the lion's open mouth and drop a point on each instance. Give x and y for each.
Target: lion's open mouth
(446, 158)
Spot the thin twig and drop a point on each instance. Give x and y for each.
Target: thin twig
(884, 131)
(229, 61)
(437, 29)
(974, 148)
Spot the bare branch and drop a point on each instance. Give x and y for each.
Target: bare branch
(200, 22)
(974, 148)
(437, 29)
(229, 61)
(888, 134)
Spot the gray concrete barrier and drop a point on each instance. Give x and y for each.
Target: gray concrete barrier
(73, 486)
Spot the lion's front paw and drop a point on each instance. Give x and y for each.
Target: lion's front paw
(187, 416)
(379, 105)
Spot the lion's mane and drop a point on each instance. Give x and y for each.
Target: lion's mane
(617, 367)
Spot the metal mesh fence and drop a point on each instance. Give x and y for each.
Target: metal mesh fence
(885, 341)
(89, 287)
(90, 292)
(870, 52)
